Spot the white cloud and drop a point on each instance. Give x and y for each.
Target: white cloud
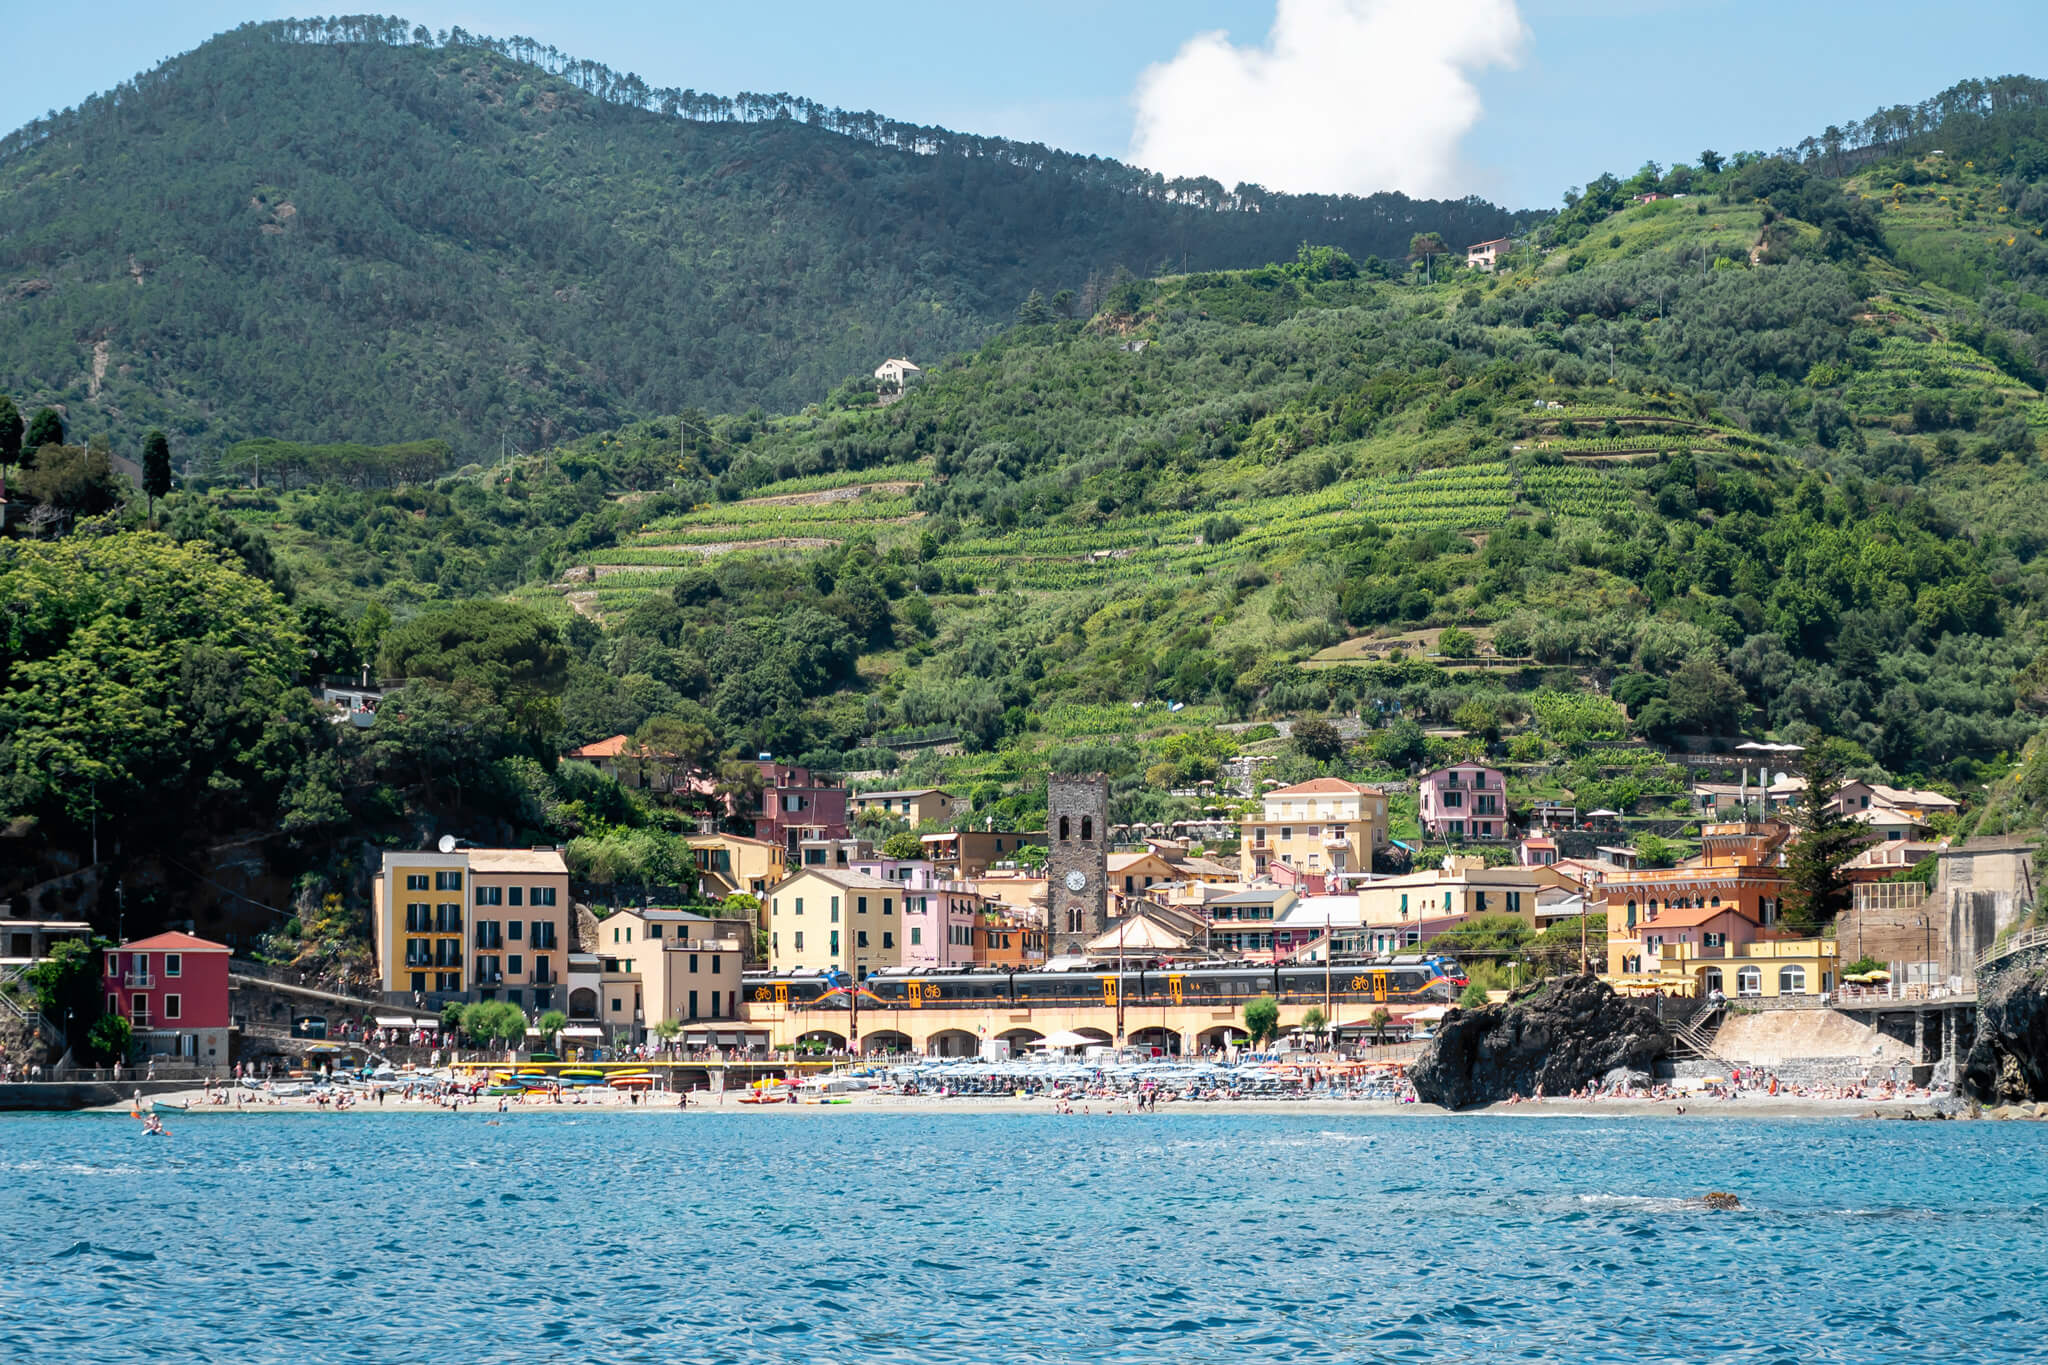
(1344, 96)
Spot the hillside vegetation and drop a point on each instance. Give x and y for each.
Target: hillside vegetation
(354, 231)
(1764, 459)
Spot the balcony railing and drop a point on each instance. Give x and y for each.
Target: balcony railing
(140, 981)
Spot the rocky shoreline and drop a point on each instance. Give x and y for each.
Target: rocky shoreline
(1567, 1036)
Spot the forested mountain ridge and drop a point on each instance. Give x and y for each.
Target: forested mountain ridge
(351, 230)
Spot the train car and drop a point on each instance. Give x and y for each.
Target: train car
(1413, 981)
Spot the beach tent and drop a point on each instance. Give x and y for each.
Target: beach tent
(1067, 1038)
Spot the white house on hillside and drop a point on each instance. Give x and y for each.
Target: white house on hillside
(897, 374)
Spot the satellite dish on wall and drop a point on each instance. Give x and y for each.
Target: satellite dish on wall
(447, 844)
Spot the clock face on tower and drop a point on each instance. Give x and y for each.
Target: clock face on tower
(1077, 880)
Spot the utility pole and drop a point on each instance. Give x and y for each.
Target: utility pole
(1121, 929)
(1329, 960)
(1585, 912)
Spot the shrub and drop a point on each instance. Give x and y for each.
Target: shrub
(1262, 1019)
(1318, 740)
(109, 1038)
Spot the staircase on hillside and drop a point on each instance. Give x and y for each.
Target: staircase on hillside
(12, 981)
(1694, 1035)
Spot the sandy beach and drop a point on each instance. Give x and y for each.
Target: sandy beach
(1688, 1108)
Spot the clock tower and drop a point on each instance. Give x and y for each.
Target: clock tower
(1077, 860)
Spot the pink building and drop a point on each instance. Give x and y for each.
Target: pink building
(939, 916)
(173, 990)
(795, 806)
(1465, 801)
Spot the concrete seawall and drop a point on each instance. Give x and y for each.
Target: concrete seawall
(64, 1096)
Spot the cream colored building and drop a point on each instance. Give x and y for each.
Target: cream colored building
(1321, 827)
(822, 919)
(926, 805)
(668, 964)
(1024, 897)
(1399, 912)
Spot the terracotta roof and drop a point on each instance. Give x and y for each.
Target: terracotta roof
(1119, 861)
(1885, 815)
(706, 840)
(1689, 917)
(1910, 797)
(1325, 786)
(175, 943)
(490, 860)
(857, 881)
(603, 748)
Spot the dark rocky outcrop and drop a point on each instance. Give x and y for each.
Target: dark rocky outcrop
(2009, 1061)
(1568, 1034)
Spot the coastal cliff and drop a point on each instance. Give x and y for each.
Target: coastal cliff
(2009, 1061)
(1566, 1035)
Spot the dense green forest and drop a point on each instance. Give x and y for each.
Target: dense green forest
(354, 231)
(1744, 447)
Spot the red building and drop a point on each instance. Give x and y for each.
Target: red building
(795, 806)
(173, 990)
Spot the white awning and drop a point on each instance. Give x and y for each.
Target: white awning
(1069, 1038)
(405, 1021)
(582, 1031)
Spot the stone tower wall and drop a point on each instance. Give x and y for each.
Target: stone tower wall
(1080, 845)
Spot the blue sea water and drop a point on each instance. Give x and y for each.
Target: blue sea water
(937, 1237)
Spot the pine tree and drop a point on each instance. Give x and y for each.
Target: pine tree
(1034, 310)
(10, 433)
(1824, 839)
(156, 469)
(46, 428)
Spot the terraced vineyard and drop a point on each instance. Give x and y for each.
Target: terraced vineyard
(1575, 491)
(1081, 555)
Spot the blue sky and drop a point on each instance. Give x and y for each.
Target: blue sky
(1516, 116)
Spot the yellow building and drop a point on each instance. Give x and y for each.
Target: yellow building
(732, 863)
(1399, 912)
(1318, 828)
(1762, 969)
(668, 964)
(1132, 873)
(822, 919)
(475, 924)
(416, 922)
